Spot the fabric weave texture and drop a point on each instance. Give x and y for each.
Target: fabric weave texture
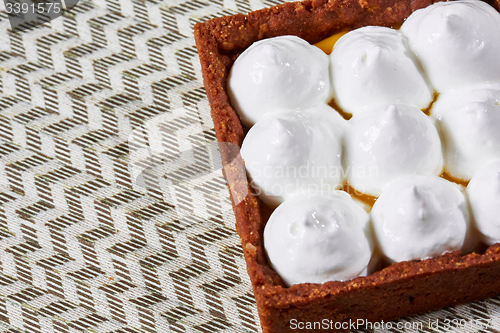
(114, 214)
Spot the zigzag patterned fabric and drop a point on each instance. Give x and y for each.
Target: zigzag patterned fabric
(114, 214)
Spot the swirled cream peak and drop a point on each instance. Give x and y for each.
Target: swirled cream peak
(469, 122)
(456, 42)
(384, 143)
(418, 217)
(373, 65)
(484, 198)
(278, 73)
(297, 151)
(319, 238)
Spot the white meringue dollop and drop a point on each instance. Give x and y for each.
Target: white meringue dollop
(419, 217)
(456, 42)
(468, 120)
(319, 238)
(277, 74)
(295, 152)
(484, 198)
(373, 65)
(385, 143)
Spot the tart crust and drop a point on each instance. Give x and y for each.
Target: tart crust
(402, 289)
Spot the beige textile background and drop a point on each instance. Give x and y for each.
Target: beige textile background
(114, 215)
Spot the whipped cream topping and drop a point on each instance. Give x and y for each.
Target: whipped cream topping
(277, 74)
(373, 65)
(385, 143)
(469, 122)
(293, 152)
(418, 217)
(319, 238)
(456, 42)
(484, 198)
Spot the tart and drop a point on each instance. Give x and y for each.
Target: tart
(401, 289)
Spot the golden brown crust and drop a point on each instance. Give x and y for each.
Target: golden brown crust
(401, 289)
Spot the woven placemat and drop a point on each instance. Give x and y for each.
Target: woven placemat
(114, 214)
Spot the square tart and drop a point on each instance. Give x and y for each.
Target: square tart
(402, 289)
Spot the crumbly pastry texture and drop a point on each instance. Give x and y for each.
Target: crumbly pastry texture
(401, 289)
